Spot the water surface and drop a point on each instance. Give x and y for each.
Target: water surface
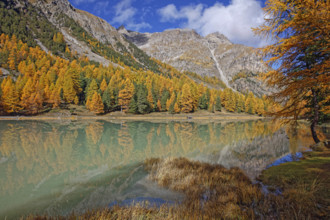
(59, 167)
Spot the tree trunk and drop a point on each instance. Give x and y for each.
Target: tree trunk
(315, 116)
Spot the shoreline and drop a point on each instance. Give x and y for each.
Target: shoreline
(187, 117)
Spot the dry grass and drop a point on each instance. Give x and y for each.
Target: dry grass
(212, 191)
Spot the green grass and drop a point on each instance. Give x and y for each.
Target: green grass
(305, 187)
(314, 166)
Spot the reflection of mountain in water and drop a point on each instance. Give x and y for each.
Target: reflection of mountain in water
(47, 167)
(253, 156)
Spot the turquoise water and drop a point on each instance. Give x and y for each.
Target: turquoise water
(58, 167)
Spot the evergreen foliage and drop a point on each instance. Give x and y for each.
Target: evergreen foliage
(218, 104)
(143, 105)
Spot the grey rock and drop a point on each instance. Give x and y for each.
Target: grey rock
(97, 27)
(213, 55)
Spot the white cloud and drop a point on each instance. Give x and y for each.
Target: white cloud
(234, 20)
(124, 14)
(169, 13)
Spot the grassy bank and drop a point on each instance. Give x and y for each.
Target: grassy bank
(160, 116)
(214, 192)
(304, 186)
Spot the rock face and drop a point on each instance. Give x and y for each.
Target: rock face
(97, 27)
(213, 55)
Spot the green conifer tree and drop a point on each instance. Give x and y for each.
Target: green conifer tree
(218, 104)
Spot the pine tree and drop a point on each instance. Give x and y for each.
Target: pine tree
(142, 102)
(186, 99)
(92, 88)
(10, 98)
(218, 104)
(171, 108)
(12, 60)
(150, 99)
(133, 107)
(159, 105)
(96, 104)
(250, 103)
(28, 91)
(69, 92)
(203, 102)
(177, 108)
(103, 85)
(165, 97)
(240, 103)
(106, 99)
(231, 101)
(170, 101)
(126, 94)
(260, 107)
(55, 98)
(76, 100)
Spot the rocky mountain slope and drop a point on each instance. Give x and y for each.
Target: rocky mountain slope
(36, 22)
(213, 55)
(88, 35)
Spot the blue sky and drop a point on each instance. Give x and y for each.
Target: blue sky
(233, 18)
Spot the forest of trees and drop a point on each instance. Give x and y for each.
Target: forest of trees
(41, 81)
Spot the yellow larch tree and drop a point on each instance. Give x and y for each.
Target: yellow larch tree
(69, 93)
(10, 98)
(27, 94)
(187, 104)
(126, 94)
(12, 60)
(300, 32)
(96, 104)
(170, 101)
(103, 85)
(55, 98)
(150, 97)
(159, 105)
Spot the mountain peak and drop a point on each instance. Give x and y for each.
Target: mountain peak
(218, 38)
(122, 27)
(182, 31)
(123, 30)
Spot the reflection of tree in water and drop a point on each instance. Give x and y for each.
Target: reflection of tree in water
(300, 136)
(62, 148)
(125, 143)
(36, 152)
(94, 132)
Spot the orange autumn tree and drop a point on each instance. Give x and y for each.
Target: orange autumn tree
(126, 94)
(187, 100)
(10, 97)
(95, 104)
(300, 32)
